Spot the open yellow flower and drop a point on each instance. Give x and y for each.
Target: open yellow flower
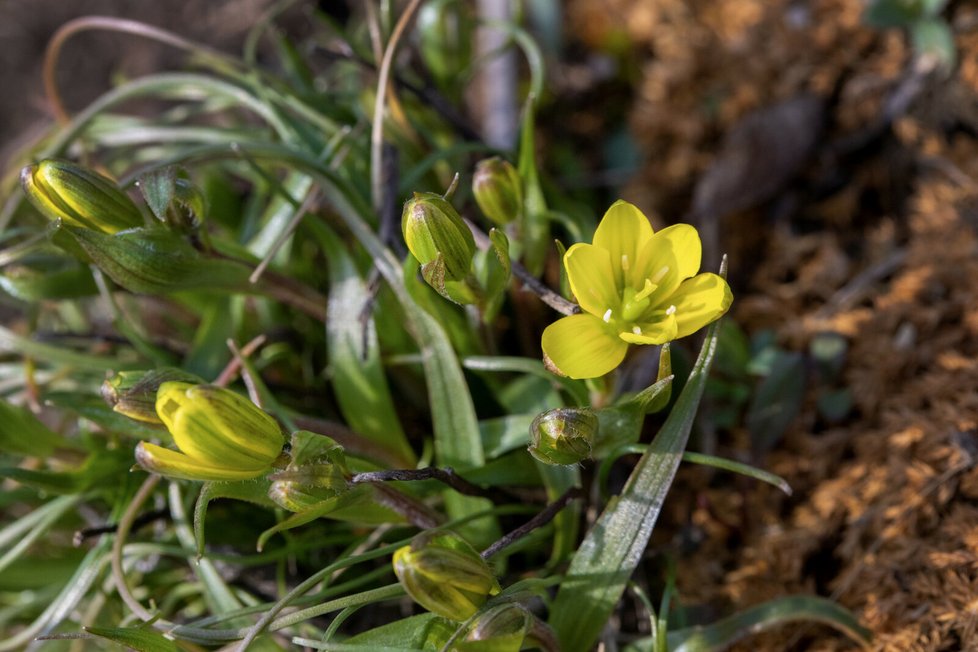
(635, 286)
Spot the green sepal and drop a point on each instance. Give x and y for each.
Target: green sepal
(153, 260)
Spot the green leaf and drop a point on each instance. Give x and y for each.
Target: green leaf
(536, 224)
(100, 471)
(776, 402)
(252, 491)
(768, 615)
(423, 632)
(142, 640)
(354, 355)
(932, 36)
(22, 433)
(893, 13)
(158, 188)
(616, 543)
(47, 278)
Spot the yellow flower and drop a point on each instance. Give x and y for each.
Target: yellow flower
(635, 287)
(221, 435)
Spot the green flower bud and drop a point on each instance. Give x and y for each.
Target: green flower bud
(444, 574)
(316, 472)
(221, 435)
(133, 393)
(498, 190)
(563, 436)
(433, 229)
(499, 629)
(78, 196)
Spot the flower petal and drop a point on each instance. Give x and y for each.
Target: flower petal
(670, 256)
(199, 434)
(583, 346)
(623, 231)
(659, 329)
(592, 279)
(699, 301)
(174, 464)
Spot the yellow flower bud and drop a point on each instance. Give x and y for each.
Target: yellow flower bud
(498, 190)
(433, 229)
(220, 434)
(78, 196)
(444, 574)
(563, 436)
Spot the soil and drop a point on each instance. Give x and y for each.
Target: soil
(870, 236)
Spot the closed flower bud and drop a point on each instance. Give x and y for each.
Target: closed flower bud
(498, 190)
(433, 228)
(499, 629)
(78, 196)
(563, 436)
(316, 472)
(133, 393)
(444, 574)
(221, 435)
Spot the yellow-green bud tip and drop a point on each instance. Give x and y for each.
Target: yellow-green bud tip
(65, 191)
(444, 574)
(498, 190)
(431, 226)
(221, 435)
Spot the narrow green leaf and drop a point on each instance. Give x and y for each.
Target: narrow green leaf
(615, 544)
(776, 401)
(141, 640)
(354, 354)
(933, 36)
(768, 615)
(158, 188)
(22, 433)
(409, 633)
(536, 225)
(100, 469)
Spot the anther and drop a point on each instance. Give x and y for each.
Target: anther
(607, 315)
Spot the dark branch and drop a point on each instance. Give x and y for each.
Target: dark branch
(539, 520)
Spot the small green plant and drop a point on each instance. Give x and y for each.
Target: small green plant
(316, 429)
(929, 32)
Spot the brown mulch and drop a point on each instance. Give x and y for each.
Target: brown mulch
(884, 517)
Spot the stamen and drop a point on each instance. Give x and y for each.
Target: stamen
(625, 265)
(671, 310)
(658, 275)
(636, 330)
(607, 315)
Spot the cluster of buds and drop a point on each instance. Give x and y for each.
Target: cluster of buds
(443, 573)
(220, 435)
(440, 240)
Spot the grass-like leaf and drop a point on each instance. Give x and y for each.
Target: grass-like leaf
(615, 544)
